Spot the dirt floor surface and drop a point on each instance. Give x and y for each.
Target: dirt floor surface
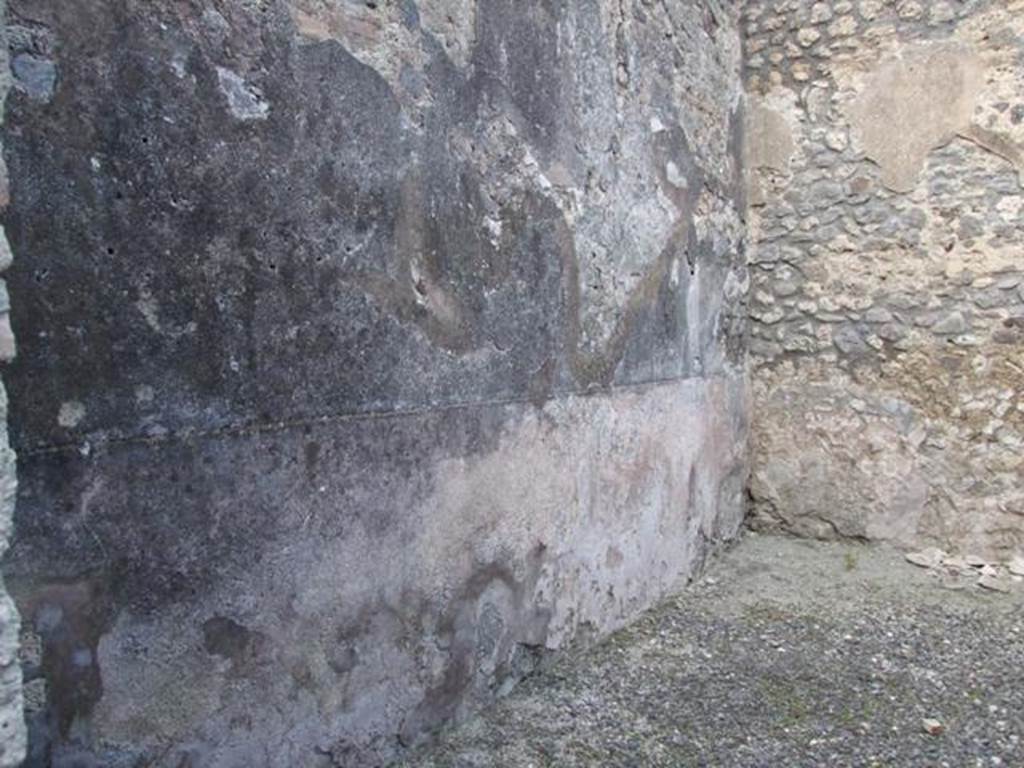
(786, 653)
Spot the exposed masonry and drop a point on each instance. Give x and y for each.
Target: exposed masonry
(12, 721)
(887, 226)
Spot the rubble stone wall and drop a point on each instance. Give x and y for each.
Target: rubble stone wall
(885, 156)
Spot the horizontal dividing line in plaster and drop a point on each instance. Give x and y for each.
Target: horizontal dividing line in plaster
(254, 428)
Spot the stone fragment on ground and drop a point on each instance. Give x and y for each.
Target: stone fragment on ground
(957, 563)
(932, 727)
(926, 558)
(994, 583)
(958, 571)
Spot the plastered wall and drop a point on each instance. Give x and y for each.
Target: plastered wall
(369, 353)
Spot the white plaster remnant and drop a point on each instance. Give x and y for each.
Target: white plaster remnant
(494, 228)
(149, 308)
(769, 142)
(913, 103)
(769, 136)
(675, 177)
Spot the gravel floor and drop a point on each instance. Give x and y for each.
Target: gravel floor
(788, 653)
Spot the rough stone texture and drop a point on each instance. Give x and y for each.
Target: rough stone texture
(887, 303)
(368, 351)
(12, 721)
(790, 653)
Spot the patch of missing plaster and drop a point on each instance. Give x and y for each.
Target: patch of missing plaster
(453, 23)
(319, 21)
(377, 34)
(244, 100)
(225, 637)
(71, 414)
(34, 76)
(914, 103)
